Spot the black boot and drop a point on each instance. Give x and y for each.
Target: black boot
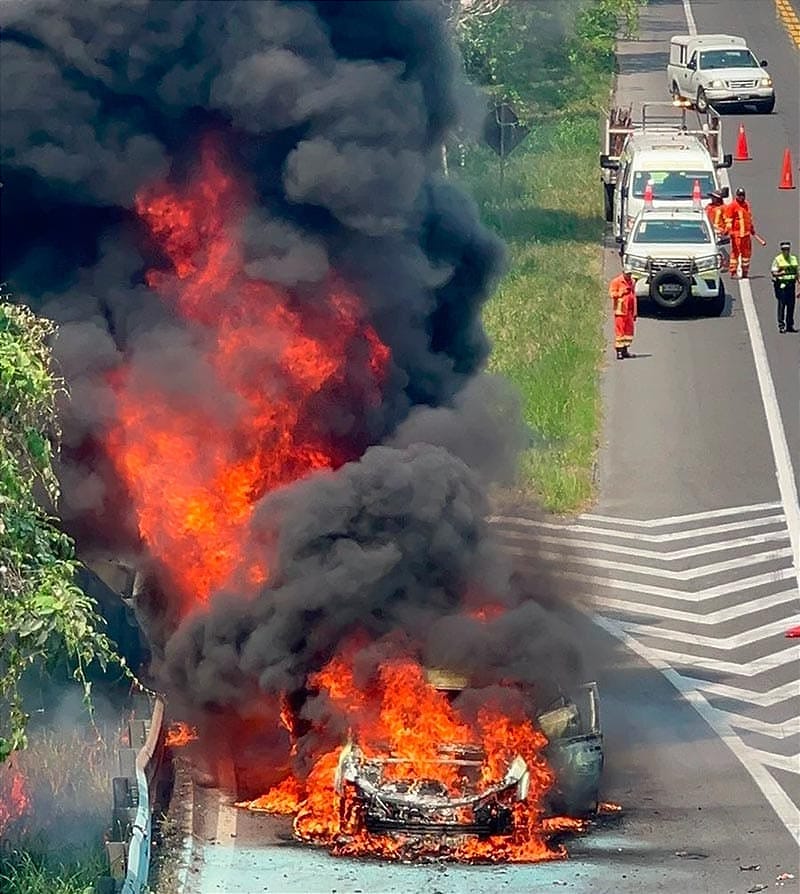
(625, 354)
(620, 355)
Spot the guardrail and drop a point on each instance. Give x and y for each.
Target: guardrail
(128, 849)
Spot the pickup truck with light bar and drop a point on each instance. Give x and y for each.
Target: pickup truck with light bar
(671, 148)
(716, 70)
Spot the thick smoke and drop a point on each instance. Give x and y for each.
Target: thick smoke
(335, 112)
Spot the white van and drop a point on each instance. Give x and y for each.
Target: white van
(667, 155)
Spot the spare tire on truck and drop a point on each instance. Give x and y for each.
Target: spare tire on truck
(671, 289)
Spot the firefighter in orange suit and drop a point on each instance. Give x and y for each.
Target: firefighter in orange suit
(715, 211)
(623, 301)
(740, 226)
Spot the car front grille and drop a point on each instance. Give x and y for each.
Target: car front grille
(742, 85)
(659, 264)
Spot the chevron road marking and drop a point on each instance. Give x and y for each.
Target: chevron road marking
(624, 549)
(784, 730)
(740, 610)
(781, 803)
(737, 586)
(789, 763)
(790, 655)
(690, 534)
(767, 699)
(682, 519)
(724, 642)
(668, 573)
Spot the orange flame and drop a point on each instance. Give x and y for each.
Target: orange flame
(400, 714)
(195, 464)
(15, 801)
(180, 734)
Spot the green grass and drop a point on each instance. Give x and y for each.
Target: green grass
(55, 846)
(546, 318)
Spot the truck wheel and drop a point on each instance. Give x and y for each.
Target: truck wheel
(717, 304)
(676, 93)
(608, 200)
(702, 101)
(767, 106)
(670, 288)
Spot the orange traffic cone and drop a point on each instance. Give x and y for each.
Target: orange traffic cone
(696, 197)
(787, 177)
(648, 194)
(742, 152)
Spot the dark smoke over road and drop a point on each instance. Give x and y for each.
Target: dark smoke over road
(335, 113)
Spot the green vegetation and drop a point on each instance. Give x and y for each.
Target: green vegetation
(554, 63)
(52, 833)
(44, 617)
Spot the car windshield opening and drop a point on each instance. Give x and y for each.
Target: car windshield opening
(672, 232)
(712, 59)
(673, 184)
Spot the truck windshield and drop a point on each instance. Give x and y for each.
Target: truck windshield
(727, 59)
(673, 184)
(669, 232)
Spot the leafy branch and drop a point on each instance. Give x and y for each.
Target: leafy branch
(44, 616)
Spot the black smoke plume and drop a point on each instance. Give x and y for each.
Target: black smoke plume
(336, 113)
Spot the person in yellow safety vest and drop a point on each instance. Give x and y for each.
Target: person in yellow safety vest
(785, 278)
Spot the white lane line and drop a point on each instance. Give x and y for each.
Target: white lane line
(623, 549)
(762, 603)
(777, 435)
(781, 730)
(703, 595)
(671, 520)
(690, 23)
(787, 811)
(649, 571)
(724, 642)
(774, 660)
(766, 699)
(691, 534)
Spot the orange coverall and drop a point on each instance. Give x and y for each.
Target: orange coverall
(717, 218)
(739, 218)
(623, 301)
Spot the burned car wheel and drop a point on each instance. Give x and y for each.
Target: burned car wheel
(670, 288)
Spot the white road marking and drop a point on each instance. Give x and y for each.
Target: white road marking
(782, 730)
(690, 534)
(777, 435)
(767, 699)
(648, 570)
(787, 811)
(774, 660)
(667, 593)
(624, 549)
(789, 763)
(670, 520)
(723, 642)
(762, 603)
(690, 23)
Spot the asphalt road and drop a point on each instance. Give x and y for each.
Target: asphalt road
(690, 561)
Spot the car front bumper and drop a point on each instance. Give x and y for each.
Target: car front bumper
(723, 95)
(704, 284)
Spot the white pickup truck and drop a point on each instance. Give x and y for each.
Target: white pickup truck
(717, 70)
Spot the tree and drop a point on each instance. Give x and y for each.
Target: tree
(537, 54)
(44, 616)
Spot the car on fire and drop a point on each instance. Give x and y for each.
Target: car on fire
(392, 802)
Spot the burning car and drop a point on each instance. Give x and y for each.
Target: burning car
(390, 797)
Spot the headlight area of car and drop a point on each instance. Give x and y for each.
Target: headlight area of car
(717, 84)
(637, 264)
(766, 82)
(708, 262)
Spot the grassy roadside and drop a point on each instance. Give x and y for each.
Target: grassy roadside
(546, 319)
